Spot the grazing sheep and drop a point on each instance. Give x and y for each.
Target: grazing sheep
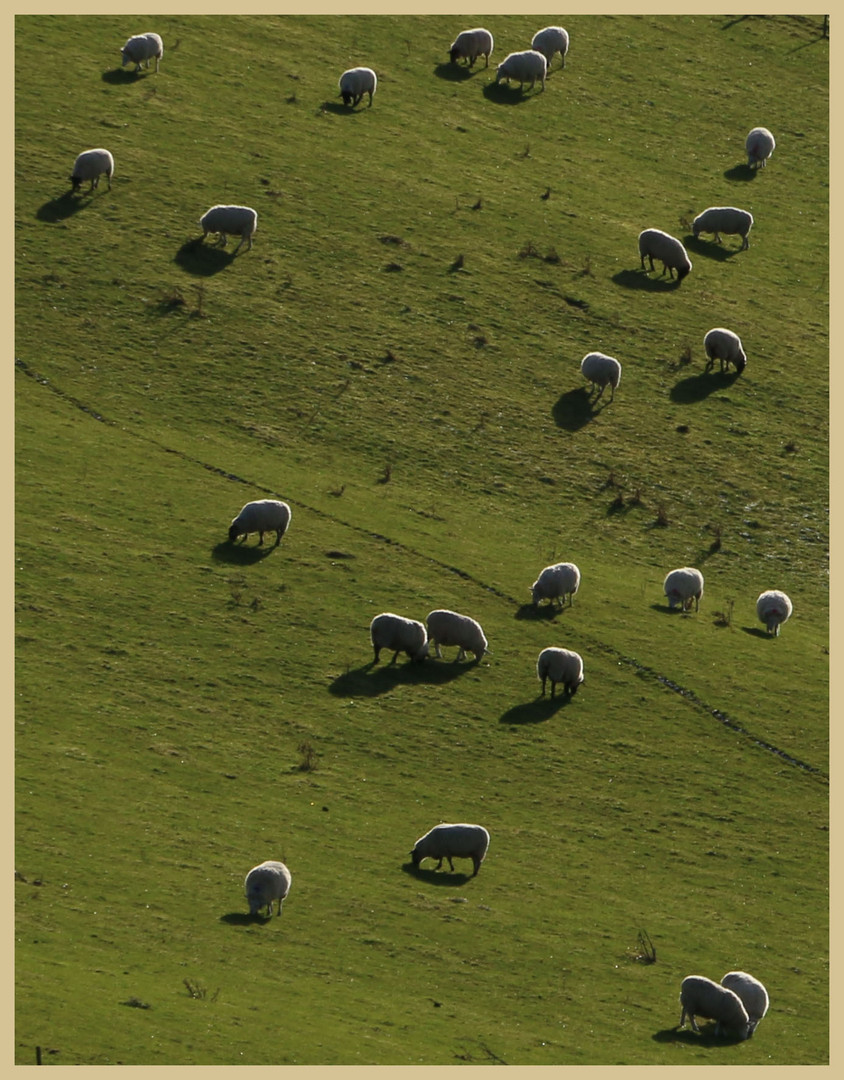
(725, 346)
(773, 608)
(724, 219)
(397, 634)
(750, 992)
(470, 44)
(656, 244)
(550, 41)
(601, 370)
(266, 882)
(240, 221)
(91, 165)
(526, 66)
(263, 515)
(556, 583)
(450, 628)
(356, 82)
(700, 996)
(759, 145)
(143, 47)
(560, 666)
(452, 842)
(682, 586)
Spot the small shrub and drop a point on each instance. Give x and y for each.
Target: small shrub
(662, 516)
(529, 251)
(309, 759)
(388, 473)
(547, 194)
(458, 263)
(552, 256)
(716, 543)
(587, 267)
(636, 498)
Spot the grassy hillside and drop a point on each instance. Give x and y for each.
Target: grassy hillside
(398, 357)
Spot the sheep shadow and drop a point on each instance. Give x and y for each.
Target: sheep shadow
(62, 208)
(641, 279)
(202, 260)
(535, 712)
(698, 387)
(121, 77)
(538, 612)
(667, 610)
(710, 249)
(500, 93)
(574, 409)
(241, 554)
(241, 918)
(436, 877)
(373, 680)
(455, 72)
(337, 108)
(705, 1037)
(743, 172)
(757, 631)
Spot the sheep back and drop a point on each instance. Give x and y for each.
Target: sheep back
(260, 516)
(356, 82)
(142, 47)
(656, 244)
(556, 583)
(700, 996)
(550, 41)
(773, 608)
(683, 585)
(602, 370)
(726, 347)
(470, 44)
(450, 628)
(526, 66)
(398, 634)
(266, 882)
(452, 841)
(560, 666)
(750, 992)
(724, 219)
(759, 144)
(91, 165)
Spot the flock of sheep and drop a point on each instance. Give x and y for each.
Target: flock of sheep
(740, 1001)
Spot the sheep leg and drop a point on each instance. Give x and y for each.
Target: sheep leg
(450, 863)
(543, 685)
(260, 538)
(377, 653)
(476, 862)
(277, 537)
(395, 656)
(461, 654)
(553, 689)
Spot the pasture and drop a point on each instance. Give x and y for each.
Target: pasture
(398, 357)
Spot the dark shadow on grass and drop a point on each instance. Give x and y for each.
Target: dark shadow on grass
(573, 409)
(756, 631)
(339, 109)
(642, 279)
(502, 94)
(740, 172)
(202, 259)
(698, 387)
(436, 877)
(455, 72)
(666, 610)
(63, 207)
(706, 1037)
(535, 712)
(243, 918)
(372, 680)
(122, 76)
(710, 249)
(241, 554)
(538, 613)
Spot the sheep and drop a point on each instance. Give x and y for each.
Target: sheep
(773, 608)
(143, 47)
(470, 44)
(356, 82)
(397, 634)
(682, 586)
(450, 628)
(601, 370)
(657, 244)
(241, 221)
(449, 842)
(759, 145)
(725, 346)
(560, 666)
(751, 993)
(266, 882)
(550, 41)
(260, 516)
(91, 165)
(556, 583)
(526, 66)
(700, 996)
(724, 219)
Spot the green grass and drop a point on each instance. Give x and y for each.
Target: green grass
(398, 357)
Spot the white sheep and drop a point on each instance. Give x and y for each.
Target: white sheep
(398, 634)
(683, 585)
(449, 842)
(773, 608)
(750, 992)
(143, 47)
(91, 165)
(560, 666)
(724, 219)
(526, 66)
(260, 516)
(450, 628)
(700, 996)
(470, 44)
(266, 882)
(556, 582)
(356, 82)
(759, 145)
(656, 244)
(240, 221)
(601, 370)
(550, 41)
(725, 346)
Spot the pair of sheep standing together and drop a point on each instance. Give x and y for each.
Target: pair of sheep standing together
(685, 585)
(736, 1004)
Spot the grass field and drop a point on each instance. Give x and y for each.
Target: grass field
(398, 358)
